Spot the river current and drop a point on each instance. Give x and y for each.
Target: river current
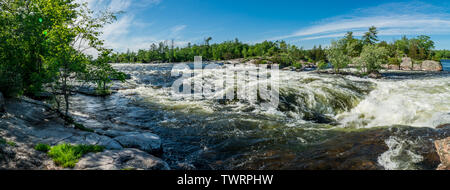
(322, 121)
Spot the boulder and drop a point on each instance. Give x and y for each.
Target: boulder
(147, 142)
(443, 126)
(126, 159)
(2, 103)
(375, 75)
(289, 69)
(443, 149)
(417, 66)
(429, 65)
(407, 64)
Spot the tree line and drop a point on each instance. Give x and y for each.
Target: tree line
(418, 48)
(278, 51)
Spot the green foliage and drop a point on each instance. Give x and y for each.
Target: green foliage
(10, 143)
(372, 57)
(370, 37)
(322, 65)
(42, 147)
(438, 55)
(67, 155)
(352, 46)
(297, 65)
(43, 44)
(279, 52)
(395, 61)
(337, 56)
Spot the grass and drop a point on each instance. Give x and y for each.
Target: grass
(67, 155)
(42, 147)
(10, 143)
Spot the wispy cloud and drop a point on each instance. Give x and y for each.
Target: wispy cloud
(121, 34)
(412, 18)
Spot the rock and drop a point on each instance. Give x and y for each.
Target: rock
(417, 66)
(394, 67)
(147, 142)
(406, 64)
(443, 126)
(429, 65)
(443, 149)
(375, 75)
(43, 96)
(126, 159)
(2, 103)
(92, 91)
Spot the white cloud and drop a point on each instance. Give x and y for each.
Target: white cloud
(391, 19)
(121, 36)
(178, 28)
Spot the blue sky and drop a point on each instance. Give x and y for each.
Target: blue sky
(303, 23)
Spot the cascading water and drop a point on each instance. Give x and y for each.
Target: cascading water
(322, 121)
(422, 102)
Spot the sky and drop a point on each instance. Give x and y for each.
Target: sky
(304, 23)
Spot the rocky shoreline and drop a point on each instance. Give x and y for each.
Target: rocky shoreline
(26, 122)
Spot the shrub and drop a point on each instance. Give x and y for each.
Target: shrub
(322, 65)
(42, 147)
(10, 143)
(297, 65)
(394, 61)
(372, 57)
(67, 155)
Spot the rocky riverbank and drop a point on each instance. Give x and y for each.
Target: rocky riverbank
(25, 123)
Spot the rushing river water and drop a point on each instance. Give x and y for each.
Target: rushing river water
(322, 121)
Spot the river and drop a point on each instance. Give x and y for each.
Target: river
(322, 121)
(446, 64)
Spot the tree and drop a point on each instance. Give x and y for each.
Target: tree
(44, 44)
(74, 31)
(337, 56)
(101, 73)
(372, 57)
(370, 37)
(413, 50)
(353, 46)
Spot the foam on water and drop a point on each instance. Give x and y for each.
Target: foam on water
(416, 102)
(310, 105)
(399, 156)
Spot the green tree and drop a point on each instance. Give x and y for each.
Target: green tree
(372, 57)
(337, 56)
(370, 37)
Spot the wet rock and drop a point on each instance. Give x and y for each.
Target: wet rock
(91, 91)
(443, 149)
(375, 75)
(358, 150)
(126, 159)
(2, 103)
(157, 87)
(147, 142)
(429, 65)
(32, 122)
(443, 126)
(407, 64)
(43, 96)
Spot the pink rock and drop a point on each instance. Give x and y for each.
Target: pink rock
(443, 149)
